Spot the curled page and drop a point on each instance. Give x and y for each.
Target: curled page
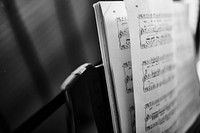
(114, 40)
(153, 65)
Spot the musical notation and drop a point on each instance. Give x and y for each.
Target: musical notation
(128, 80)
(158, 59)
(155, 30)
(154, 15)
(154, 85)
(160, 110)
(156, 40)
(161, 120)
(157, 71)
(123, 33)
(121, 19)
(160, 99)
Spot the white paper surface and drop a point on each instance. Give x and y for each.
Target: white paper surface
(117, 63)
(153, 63)
(188, 104)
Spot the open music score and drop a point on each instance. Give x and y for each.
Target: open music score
(146, 61)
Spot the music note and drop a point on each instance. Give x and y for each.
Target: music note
(123, 33)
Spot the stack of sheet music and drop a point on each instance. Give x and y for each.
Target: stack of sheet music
(148, 55)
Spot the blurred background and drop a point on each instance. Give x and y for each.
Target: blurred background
(41, 43)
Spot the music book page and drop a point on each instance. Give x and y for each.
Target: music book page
(153, 65)
(115, 48)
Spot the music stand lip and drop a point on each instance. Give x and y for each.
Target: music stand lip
(74, 76)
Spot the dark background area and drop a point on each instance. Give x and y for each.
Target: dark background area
(53, 39)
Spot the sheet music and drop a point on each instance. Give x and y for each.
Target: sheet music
(153, 65)
(116, 50)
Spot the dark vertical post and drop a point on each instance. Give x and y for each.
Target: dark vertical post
(197, 35)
